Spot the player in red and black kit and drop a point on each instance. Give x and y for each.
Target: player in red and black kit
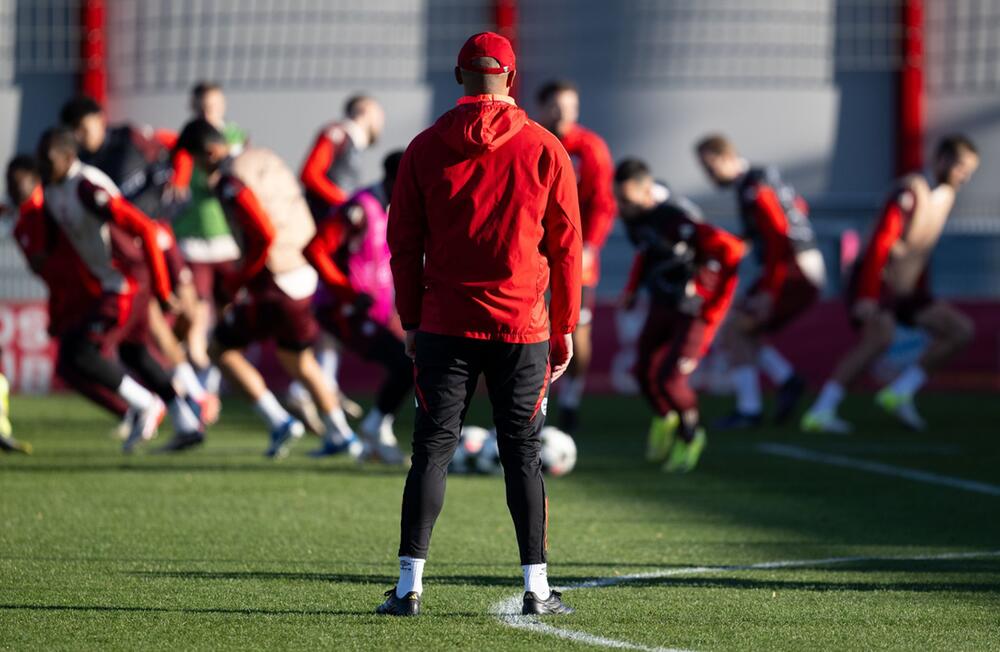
(100, 225)
(355, 301)
(559, 110)
(890, 285)
(689, 269)
(776, 222)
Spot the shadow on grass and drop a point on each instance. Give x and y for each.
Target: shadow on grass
(194, 467)
(744, 584)
(210, 610)
(511, 580)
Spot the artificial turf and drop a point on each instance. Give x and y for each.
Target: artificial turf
(221, 548)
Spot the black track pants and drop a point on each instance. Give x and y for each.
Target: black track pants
(447, 371)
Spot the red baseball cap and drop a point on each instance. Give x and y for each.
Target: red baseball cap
(486, 44)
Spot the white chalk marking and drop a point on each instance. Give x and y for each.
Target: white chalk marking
(804, 454)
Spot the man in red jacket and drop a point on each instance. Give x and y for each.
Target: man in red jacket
(484, 214)
(559, 104)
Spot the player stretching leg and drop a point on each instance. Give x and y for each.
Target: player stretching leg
(775, 219)
(264, 206)
(689, 269)
(559, 110)
(355, 301)
(99, 223)
(890, 285)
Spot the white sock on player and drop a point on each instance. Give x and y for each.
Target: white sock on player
(571, 391)
(774, 365)
(910, 381)
(746, 382)
(268, 407)
(182, 416)
(337, 429)
(536, 580)
(829, 397)
(212, 380)
(138, 397)
(411, 576)
(185, 376)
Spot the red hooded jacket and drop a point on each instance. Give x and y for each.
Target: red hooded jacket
(484, 212)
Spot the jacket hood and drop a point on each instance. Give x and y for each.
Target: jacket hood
(476, 127)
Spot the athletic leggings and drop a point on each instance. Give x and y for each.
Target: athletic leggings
(447, 372)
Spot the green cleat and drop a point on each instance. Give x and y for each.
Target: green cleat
(684, 455)
(662, 431)
(900, 406)
(824, 421)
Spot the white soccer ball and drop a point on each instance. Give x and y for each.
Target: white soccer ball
(488, 459)
(558, 451)
(469, 446)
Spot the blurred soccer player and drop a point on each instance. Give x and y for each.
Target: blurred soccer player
(99, 223)
(776, 221)
(330, 173)
(890, 285)
(202, 232)
(73, 290)
(689, 270)
(484, 212)
(263, 203)
(559, 110)
(137, 161)
(355, 301)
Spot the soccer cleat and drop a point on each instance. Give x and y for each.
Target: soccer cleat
(789, 395)
(684, 455)
(553, 605)
(353, 446)
(901, 406)
(209, 408)
(144, 424)
(825, 421)
(301, 405)
(739, 421)
(408, 605)
(182, 442)
(282, 437)
(662, 431)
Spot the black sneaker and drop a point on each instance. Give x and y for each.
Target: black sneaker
(569, 420)
(408, 605)
(789, 395)
(532, 606)
(182, 442)
(739, 421)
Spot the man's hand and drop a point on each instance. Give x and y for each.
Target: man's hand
(411, 344)
(560, 353)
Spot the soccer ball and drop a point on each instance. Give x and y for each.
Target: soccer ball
(469, 446)
(488, 459)
(558, 451)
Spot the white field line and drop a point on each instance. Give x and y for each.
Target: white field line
(508, 611)
(804, 454)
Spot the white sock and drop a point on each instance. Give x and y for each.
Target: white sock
(213, 380)
(536, 580)
(774, 365)
(910, 381)
(185, 376)
(137, 396)
(182, 416)
(269, 408)
(411, 576)
(829, 397)
(571, 391)
(747, 383)
(329, 362)
(337, 428)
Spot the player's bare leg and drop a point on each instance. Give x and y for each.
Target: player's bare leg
(877, 331)
(571, 386)
(185, 380)
(338, 437)
(284, 427)
(950, 332)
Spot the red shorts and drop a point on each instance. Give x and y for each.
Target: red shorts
(797, 295)
(212, 279)
(266, 312)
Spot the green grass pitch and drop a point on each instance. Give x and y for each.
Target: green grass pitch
(221, 548)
